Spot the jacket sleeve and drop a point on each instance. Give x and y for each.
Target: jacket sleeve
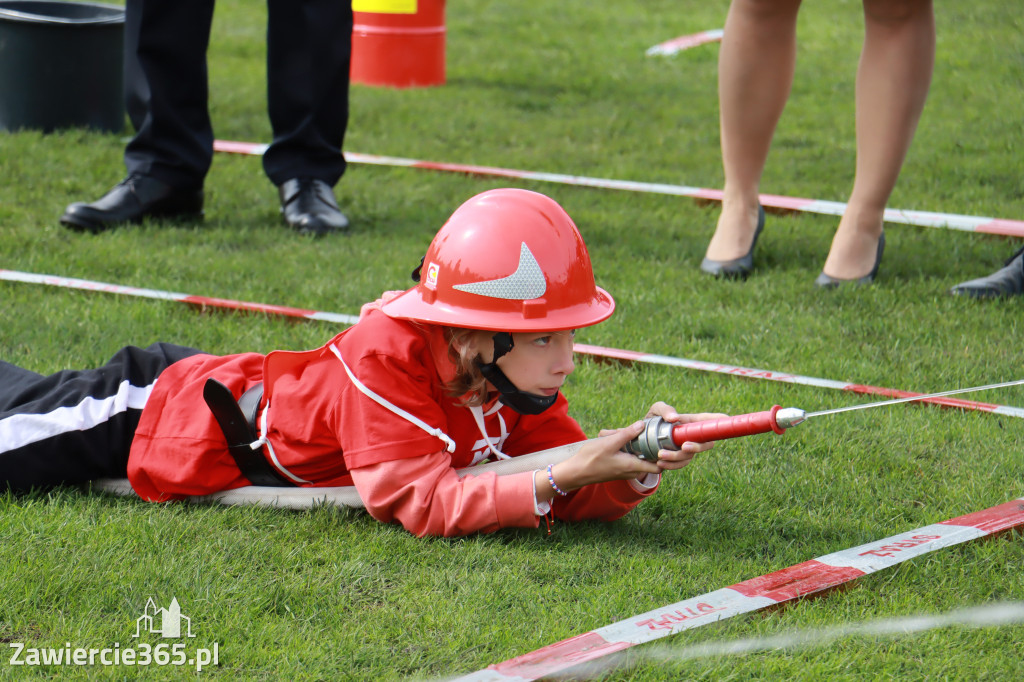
(427, 497)
(605, 501)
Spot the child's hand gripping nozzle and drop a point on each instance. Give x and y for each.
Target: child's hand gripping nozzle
(659, 434)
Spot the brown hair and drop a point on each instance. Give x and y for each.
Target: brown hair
(468, 379)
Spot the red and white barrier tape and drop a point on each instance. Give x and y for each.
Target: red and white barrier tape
(991, 614)
(808, 578)
(770, 375)
(671, 47)
(1014, 228)
(198, 301)
(626, 356)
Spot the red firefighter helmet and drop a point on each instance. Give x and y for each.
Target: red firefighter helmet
(508, 260)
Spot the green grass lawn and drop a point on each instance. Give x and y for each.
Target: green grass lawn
(563, 88)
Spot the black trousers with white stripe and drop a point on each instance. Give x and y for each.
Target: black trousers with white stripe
(76, 425)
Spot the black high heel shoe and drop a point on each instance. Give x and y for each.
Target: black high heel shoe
(827, 282)
(737, 268)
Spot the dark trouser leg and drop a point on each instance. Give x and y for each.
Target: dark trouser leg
(309, 48)
(76, 425)
(14, 379)
(166, 90)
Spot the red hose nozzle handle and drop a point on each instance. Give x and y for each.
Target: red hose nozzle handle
(662, 435)
(727, 427)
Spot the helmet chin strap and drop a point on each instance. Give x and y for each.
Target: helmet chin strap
(520, 401)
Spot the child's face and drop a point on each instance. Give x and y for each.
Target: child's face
(538, 362)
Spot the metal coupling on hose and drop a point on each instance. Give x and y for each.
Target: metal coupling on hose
(656, 436)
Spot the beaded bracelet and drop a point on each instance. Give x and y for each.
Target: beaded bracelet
(551, 480)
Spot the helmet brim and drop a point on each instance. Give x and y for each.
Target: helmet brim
(411, 305)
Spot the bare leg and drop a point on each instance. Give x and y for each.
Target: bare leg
(755, 73)
(892, 83)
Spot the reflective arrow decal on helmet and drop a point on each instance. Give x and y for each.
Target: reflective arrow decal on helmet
(526, 283)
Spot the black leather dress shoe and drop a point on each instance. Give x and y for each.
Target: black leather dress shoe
(134, 198)
(1008, 281)
(308, 205)
(828, 282)
(738, 268)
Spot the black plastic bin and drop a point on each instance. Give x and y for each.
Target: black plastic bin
(61, 65)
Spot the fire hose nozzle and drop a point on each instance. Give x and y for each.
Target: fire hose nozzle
(659, 434)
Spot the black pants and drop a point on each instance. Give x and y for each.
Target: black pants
(309, 47)
(76, 425)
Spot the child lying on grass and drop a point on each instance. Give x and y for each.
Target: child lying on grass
(464, 367)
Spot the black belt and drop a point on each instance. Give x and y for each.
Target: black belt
(238, 422)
